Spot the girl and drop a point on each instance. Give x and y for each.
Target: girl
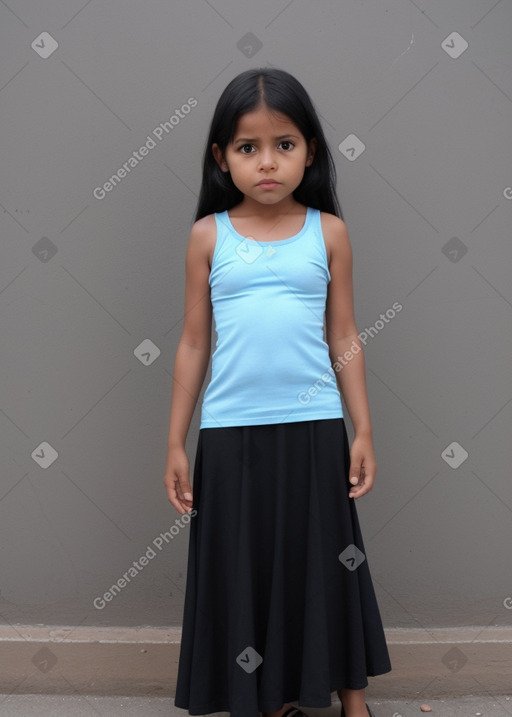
(279, 603)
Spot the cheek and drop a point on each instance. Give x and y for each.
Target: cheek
(242, 166)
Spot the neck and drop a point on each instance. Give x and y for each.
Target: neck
(249, 207)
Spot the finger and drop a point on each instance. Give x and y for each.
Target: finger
(177, 499)
(356, 472)
(357, 478)
(358, 493)
(183, 487)
(185, 493)
(181, 506)
(174, 499)
(186, 499)
(364, 486)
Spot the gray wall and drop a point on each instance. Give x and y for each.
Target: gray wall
(92, 289)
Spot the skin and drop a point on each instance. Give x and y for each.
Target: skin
(276, 150)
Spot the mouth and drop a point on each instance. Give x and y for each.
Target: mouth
(268, 184)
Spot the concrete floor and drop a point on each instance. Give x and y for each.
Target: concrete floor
(90, 706)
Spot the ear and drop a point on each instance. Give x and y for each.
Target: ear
(219, 157)
(311, 152)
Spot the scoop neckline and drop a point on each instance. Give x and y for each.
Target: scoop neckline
(274, 241)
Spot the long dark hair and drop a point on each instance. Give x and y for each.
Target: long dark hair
(282, 93)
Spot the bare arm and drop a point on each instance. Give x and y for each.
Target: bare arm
(191, 362)
(347, 355)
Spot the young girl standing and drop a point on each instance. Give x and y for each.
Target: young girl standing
(279, 603)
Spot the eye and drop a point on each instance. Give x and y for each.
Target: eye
(286, 145)
(243, 147)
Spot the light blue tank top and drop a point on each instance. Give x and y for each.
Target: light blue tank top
(271, 363)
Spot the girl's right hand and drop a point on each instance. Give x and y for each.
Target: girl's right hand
(176, 480)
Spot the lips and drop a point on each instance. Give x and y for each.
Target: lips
(268, 183)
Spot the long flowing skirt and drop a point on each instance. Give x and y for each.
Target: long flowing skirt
(279, 604)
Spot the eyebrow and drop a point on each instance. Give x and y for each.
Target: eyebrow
(255, 139)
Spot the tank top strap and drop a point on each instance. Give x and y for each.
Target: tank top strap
(315, 225)
(317, 233)
(223, 229)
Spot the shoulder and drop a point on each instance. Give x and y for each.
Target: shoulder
(337, 242)
(204, 229)
(202, 239)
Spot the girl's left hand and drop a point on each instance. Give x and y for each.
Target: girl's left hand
(363, 466)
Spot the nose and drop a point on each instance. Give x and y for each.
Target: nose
(267, 159)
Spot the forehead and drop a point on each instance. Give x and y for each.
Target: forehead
(264, 122)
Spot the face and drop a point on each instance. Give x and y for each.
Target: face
(267, 158)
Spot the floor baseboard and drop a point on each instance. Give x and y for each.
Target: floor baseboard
(137, 661)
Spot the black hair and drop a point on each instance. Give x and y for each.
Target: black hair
(283, 93)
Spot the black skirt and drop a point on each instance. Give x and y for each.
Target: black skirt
(279, 604)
